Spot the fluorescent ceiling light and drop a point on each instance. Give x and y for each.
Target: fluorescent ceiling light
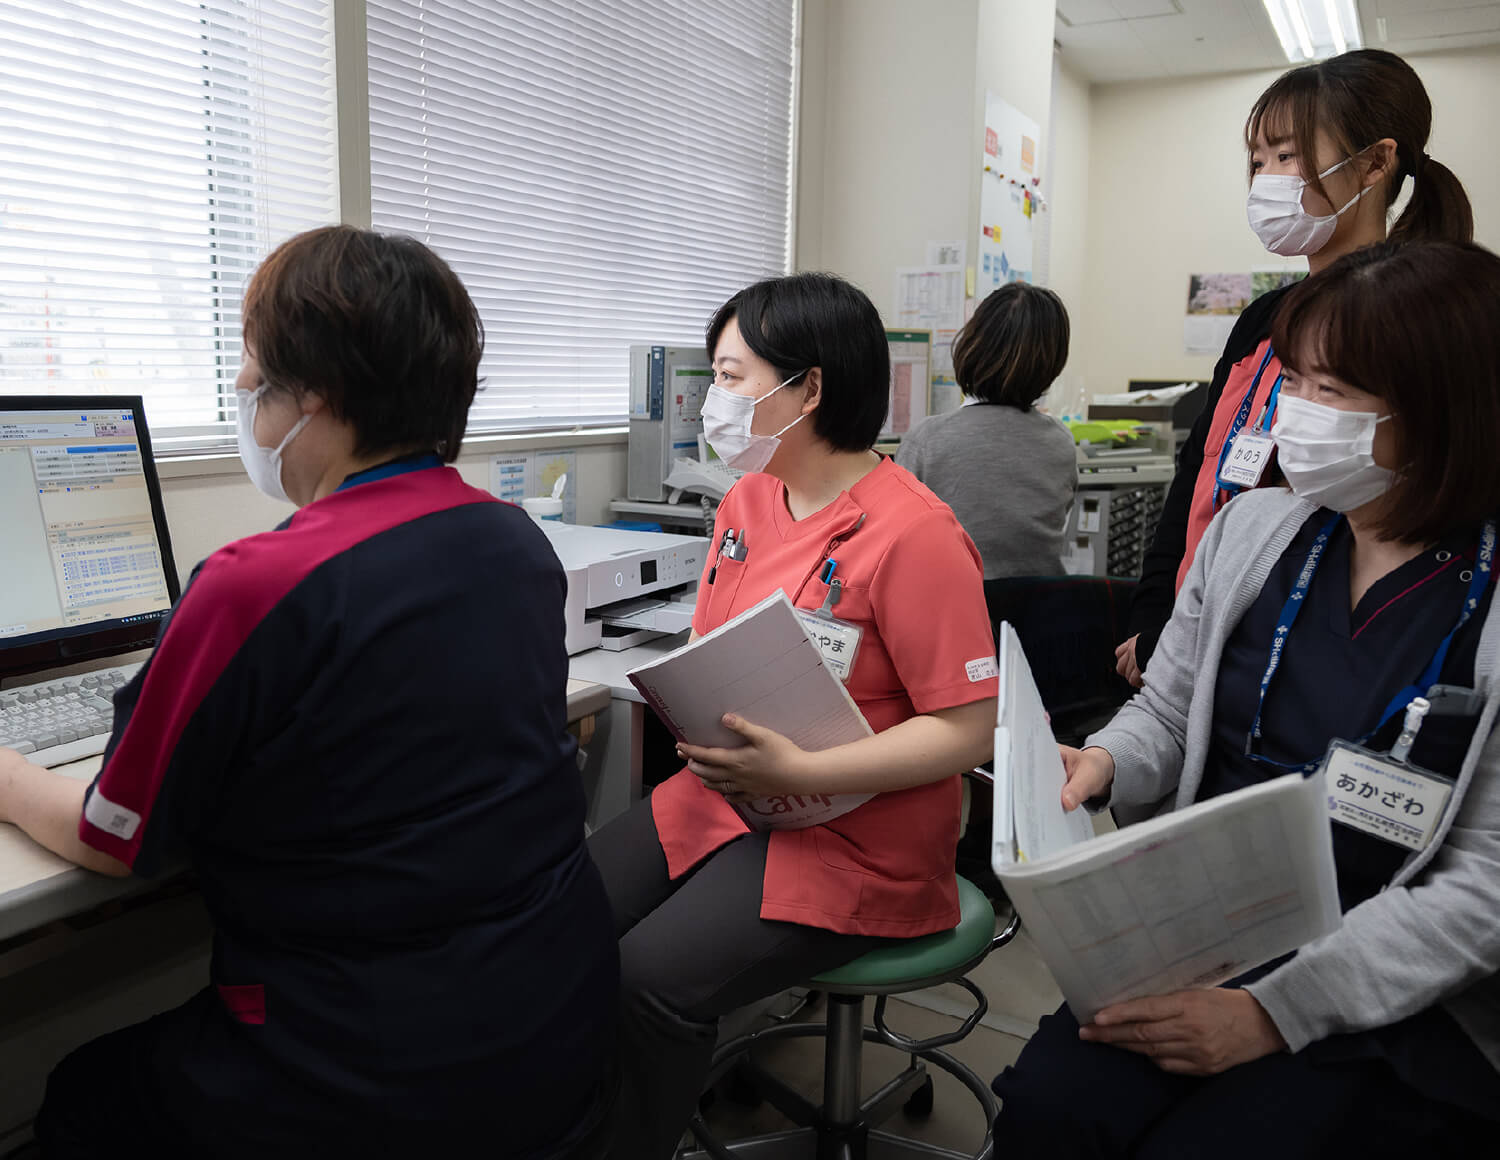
(1314, 29)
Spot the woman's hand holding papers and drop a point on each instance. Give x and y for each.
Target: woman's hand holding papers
(765, 765)
(1090, 774)
(1189, 1032)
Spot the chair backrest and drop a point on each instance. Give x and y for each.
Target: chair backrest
(1069, 627)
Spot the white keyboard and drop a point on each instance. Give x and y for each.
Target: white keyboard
(62, 720)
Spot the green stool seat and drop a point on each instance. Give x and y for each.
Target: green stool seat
(910, 964)
(844, 1125)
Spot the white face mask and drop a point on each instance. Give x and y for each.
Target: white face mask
(726, 425)
(1326, 455)
(262, 463)
(1280, 222)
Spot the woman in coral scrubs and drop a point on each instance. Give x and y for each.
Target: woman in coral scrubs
(712, 915)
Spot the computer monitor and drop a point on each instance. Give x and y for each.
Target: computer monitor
(85, 562)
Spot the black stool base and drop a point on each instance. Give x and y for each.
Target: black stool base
(844, 1128)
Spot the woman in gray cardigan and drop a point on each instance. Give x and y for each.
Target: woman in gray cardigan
(1312, 616)
(1008, 471)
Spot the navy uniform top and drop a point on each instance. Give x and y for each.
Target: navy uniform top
(1340, 667)
(354, 729)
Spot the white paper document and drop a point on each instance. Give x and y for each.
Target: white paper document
(1188, 899)
(761, 666)
(1030, 822)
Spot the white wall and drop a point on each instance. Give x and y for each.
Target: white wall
(892, 120)
(1166, 193)
(884, 153)
(1067, 190)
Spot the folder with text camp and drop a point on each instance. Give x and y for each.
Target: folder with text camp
(763, 667)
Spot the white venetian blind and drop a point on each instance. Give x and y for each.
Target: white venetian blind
(597, 173)
(151, 152)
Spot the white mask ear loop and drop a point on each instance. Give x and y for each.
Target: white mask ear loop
(778, 387)
(1334, 169)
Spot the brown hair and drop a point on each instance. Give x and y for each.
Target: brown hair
(376, 325)
(1014, 347)
(1419, 327)
(1359, 98)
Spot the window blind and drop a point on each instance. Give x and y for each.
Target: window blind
(151, 153)
(597, 174)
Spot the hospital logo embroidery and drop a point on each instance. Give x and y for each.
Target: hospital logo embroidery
(982, 669)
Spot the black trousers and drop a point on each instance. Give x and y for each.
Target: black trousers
(691, 951)
(1071, 1100)
(108, 1098)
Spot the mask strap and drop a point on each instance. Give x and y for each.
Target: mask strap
(290, 435)
(799, 419)
(777, 387)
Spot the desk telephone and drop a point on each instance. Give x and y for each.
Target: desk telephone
(712, 479)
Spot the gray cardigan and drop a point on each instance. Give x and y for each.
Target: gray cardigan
(1432, 935)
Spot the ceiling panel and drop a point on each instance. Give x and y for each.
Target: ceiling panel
(1123, 40)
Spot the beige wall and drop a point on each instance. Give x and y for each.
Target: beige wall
(1166, 198)
(1068, 214)
(891, 123)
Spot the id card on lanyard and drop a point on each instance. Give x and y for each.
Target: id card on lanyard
(1243, 460)
(1382, 794)
(837, 640)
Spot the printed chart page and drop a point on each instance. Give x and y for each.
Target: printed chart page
(764, 667)
(1184, 900)
(1029, 820)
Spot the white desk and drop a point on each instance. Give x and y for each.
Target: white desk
(38, 887)
(612, 775)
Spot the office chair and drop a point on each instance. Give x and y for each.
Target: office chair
(1069, 627)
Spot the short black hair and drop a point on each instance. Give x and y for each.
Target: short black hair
(378, 326)
(819, 320)
(1014, 347)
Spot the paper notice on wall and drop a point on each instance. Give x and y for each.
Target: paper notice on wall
(930, 298)
(513, 477)
(911, 380)
(1215, 302)
(1207, 333)
(947, 253)
(945, 395)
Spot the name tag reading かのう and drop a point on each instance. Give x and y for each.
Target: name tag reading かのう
(1375, 794)
(837, 640)
(1246, 461)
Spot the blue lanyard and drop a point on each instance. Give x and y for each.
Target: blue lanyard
(396, 467)
(1483, 566)
(1221, 493)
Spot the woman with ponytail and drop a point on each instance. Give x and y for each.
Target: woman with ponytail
(1331, 145)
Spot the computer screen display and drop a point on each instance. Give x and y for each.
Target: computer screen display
(82, 533)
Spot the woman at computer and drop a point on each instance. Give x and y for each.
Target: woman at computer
(1331, 146)
(353, 730)
(1316, 619)
(710, 914)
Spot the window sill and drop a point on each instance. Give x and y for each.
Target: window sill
(191, 465)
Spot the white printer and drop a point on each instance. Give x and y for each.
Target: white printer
(626, 587)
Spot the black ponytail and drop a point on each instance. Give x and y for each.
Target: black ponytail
(1439, 209)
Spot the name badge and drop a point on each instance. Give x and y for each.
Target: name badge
(837, 640)
(1372, 793)
(1247, 459)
